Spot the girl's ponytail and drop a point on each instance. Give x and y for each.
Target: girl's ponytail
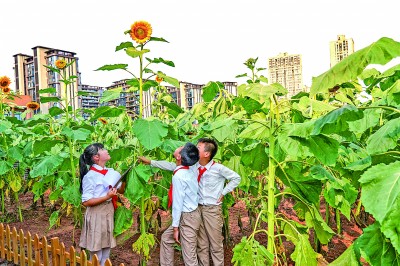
(86, 159)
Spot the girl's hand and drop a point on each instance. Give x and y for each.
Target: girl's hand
(112, 192)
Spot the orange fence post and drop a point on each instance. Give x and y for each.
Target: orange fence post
(36, 247)
(8, 243)
(55, 244)
(83, 258)
(45, 251)
(29, 252)
(72, 256)
(14, 239)
(2, 249)
(22, 257)
(62, 255)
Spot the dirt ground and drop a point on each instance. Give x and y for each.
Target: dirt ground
(36, 221)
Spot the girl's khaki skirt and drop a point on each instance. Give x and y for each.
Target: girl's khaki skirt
(98, 227)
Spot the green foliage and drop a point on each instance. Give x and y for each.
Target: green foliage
(143, 244)
(123, 220)
(249, 252)
(380, 52)
(150, 133)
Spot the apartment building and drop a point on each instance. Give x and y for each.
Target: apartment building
(341, 48)
(31, 75)
(286, 70)
(186, 96)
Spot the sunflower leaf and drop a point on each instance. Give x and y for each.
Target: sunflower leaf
(158, 39)
(123, 45)
(48, 90)
(113, 67)
(133, 52)
(49, 99)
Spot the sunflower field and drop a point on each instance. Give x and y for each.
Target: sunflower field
(331, 144)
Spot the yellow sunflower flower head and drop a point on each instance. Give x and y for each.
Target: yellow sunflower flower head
(141, 31)
(61, 63)
(102, 120)
(6, 90)
(33, 105)
(4, 82)
(159, 79)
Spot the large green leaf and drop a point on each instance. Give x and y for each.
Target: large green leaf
(46, 166)
(144, 172)
(54, 111)
(76, 134)
(71, 194)
(341, 194)
(120, 154)
(390, 225)
(135, 188)
(256, 130)
(380, 189)
(255, 157)
(109, 95)
(347, 258)
(45, 144)
(5, 167)
(150, 133)
(385, 138)
(303, 253)
(380, 52)
(374, 247)
(211, 89)
(259, 92)
(370, 119)
(324, 148)
(336, 120)
(107, 111)
(15, 153)
(123, 219)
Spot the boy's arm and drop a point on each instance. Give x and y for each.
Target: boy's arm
(178, 194)
(164, 165)
(232, 176)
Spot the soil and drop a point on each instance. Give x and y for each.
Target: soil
(36, 221)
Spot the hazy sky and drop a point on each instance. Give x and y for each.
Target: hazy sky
(208, 40)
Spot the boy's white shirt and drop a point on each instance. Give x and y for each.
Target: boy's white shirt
(184, 193)
(212, 183)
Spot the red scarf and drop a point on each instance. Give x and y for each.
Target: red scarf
(170, 188)
(104, 171)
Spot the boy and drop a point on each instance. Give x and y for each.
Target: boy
(185, 212)
(212, 188)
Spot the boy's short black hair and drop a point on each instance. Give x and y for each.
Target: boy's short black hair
(210, 146)
(189, 154)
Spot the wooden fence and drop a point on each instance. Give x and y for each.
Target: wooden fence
(22, 249)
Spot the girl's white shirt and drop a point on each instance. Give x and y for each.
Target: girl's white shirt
(96, 185)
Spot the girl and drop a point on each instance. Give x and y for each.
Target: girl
(97, 188)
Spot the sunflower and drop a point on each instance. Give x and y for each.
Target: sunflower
(102, 120)
(61, 63)
(33, 105)
(6, 90)
(141, 31)
(159, 79)
(4, 82)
